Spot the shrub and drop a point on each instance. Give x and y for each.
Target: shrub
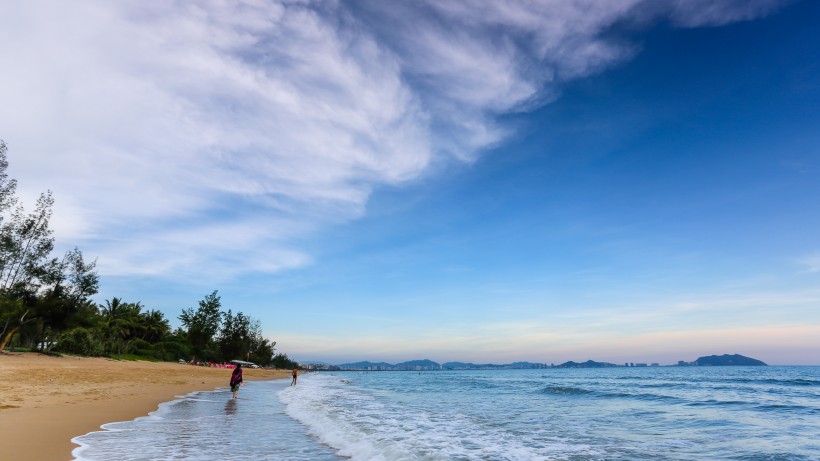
(141, 348)
(172, 351)
(78, 341)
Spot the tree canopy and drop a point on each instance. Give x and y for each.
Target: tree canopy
(46, 301)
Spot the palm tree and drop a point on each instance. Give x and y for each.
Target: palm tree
(120, 323)
(154, 326)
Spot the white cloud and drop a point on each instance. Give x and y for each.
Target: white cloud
(695, 13)
(811, 263)
(156, 123)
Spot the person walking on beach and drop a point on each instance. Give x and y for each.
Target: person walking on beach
(236, 379)
(295, 372)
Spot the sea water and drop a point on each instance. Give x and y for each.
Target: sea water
(654, 413)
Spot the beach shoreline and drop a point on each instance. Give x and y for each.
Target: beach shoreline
(46, 401)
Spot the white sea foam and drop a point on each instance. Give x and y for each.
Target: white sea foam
(207, 426)
(381, 426)
(660, 414)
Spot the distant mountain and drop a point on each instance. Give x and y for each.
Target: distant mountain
(587, 364)
(414, 365)
(418, 365)
(426, 364)
(728, 360)
(490, 366)
(366, 366)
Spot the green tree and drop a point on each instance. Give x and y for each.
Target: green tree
(120, 324)
(25, 244)
(155, 326)
(66, 302)
(202, 326)
(282, 361)
(78, 341)
(38, 293)
(13, 315)
(241, 338)
(235, 336)
(262, 351)
(174, 347)
(8, 186)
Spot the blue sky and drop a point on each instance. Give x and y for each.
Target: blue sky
(487, 182)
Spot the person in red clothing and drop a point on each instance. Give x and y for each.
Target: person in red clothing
(295, 373)
(236, 379)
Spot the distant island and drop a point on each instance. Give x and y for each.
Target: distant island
(587, 364)
(492, 366)
(727, 360)
(429, 365)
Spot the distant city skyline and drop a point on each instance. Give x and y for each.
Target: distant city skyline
(542, 181)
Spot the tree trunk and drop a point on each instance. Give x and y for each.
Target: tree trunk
(49, 340)
(8, 338)
(5, 328)
(14, 330)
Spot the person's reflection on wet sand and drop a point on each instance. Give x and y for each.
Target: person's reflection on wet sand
(230, 407)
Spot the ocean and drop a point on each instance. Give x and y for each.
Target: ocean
(654, 413)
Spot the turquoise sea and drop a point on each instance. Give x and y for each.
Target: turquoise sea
(658, 413)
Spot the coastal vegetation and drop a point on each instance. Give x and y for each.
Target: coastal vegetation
(46, 302)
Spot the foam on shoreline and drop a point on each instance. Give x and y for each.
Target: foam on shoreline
(209, 425)
(46, 401)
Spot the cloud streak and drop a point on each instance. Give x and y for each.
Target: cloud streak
(810, 263)
(183, 139)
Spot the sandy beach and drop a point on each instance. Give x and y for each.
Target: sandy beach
(46, 401)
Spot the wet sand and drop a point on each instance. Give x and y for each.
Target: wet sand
(46, 401)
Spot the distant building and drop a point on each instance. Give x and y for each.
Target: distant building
(319, 367)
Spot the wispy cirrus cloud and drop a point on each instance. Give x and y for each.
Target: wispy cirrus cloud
(810, 263)
(188, 138)
(696, 13)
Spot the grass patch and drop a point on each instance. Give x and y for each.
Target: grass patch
(134, 358)
(19, 349)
